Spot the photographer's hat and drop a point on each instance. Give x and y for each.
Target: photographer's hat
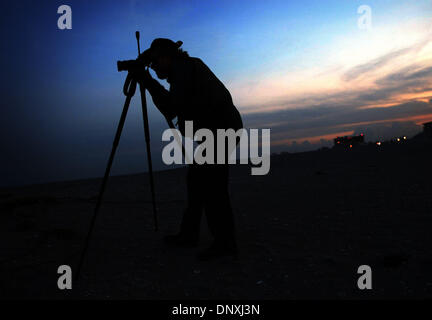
(162, 45)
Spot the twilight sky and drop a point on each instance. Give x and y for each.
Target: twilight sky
(302, 68)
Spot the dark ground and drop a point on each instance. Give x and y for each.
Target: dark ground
(303, 231)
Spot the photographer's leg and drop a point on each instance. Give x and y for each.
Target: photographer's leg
(218, 207)
(192, 216)
(191, 220)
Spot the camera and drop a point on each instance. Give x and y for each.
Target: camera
(142, 61)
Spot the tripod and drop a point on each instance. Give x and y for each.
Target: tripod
(129, 89)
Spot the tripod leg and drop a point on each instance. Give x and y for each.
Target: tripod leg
(149, 159)
(105, 179)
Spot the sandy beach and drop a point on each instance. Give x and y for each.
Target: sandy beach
(303, 230)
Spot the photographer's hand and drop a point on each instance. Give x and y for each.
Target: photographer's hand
(143, 76)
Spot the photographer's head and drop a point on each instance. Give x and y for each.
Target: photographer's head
(164, 52)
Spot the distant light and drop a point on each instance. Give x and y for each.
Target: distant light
(378, 143)
(350, 145)
(361, 134)
(404, 138)
(398, 139)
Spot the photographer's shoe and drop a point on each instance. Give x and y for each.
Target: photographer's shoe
(217, 251)
(181, 241)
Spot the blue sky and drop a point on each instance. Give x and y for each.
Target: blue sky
(302, 68)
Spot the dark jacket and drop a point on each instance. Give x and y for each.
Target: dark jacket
(196, 94)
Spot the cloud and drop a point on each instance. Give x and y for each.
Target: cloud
(352, 103)
(373, 83)
(306, 122)
(413, 75)
(362, 69)
(402, 95)
(385, 60)
(412, 82)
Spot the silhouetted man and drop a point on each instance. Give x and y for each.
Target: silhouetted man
(196, 94)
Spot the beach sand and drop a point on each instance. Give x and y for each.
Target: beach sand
(303, 230)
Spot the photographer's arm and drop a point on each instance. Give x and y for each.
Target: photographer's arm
(160, 95)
